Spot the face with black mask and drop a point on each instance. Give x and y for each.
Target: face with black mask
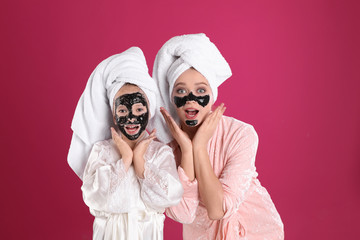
(192, 98)
(131, 112)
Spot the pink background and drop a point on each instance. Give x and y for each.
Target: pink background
(296, 78)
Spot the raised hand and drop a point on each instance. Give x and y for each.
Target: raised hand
(143, 144)
(139, 151)
(179, 135)
(124, 149)
(207, 128)
(184, 142)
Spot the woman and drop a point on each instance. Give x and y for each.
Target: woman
(128, 180)
(215, 154)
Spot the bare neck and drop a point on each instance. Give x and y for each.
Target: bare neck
(191, 131)
(132, 143)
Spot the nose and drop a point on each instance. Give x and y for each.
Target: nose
(191, 97)
(131, 117)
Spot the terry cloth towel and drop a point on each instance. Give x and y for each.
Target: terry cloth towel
(93, 115)
(176, 56)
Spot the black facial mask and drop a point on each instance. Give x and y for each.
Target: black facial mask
(128, 100)
(201, 100)
(191, 123)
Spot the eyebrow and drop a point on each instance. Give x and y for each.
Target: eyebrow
(179, 83)
(199, 83)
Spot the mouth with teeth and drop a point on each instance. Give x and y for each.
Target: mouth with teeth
(132, 129)
(191, 113)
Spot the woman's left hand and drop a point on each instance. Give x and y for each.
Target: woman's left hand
(207, 128)
(139, 152)
(142, 145)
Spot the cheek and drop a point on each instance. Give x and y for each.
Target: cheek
(181, 114)
(211, 102)
(206, 110)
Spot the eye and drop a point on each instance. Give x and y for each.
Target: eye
(180, 91)
(201, 90)
(121, 110)
(140, 109)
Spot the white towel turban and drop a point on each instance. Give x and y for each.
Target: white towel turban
(93, 115)
(176, 56)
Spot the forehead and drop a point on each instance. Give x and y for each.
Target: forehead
(127, 89)
(191, 77)
(130, 89)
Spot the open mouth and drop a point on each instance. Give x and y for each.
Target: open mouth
(191, 113)
(132, 129)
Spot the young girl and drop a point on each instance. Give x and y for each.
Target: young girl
(130, 179)
(215, 154)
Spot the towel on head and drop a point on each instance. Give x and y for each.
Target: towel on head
(176, 56)
(93, 115)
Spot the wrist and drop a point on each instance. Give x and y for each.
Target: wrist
(126, 158)
(199, 145)
(138, 157)
(186, 149)
(139, 167)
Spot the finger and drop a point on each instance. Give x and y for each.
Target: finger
(165, 116)
(113, 133)
(149, 139)
(214, 116)
(146, 141)
(219, 114)
(115, 136)
(220, 110)
(152, 136)
(153, 133)
(169, 120)
(164, 112)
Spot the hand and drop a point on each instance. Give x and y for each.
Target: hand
(179, 135)
(142, 145)
(139, 151)
(207, 128)
(124, 149)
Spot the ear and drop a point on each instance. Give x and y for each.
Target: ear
(114, 119)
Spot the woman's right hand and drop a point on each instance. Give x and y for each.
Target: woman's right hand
(179, 135)
(124, 149)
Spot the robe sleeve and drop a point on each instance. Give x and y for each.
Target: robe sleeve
(102, 176)
(160, 187)
(185, 211)
(239, 170)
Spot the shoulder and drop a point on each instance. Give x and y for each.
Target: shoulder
(104, 145)
(233, 125)
(104, 150)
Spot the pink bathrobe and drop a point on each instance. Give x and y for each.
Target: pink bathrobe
(249, 211)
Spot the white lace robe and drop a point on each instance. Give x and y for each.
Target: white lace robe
(125, 206)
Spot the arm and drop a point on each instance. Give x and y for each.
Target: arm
(139, 152)
(101, 177)
(210, 188)
(239, 170)
(185, 211)
(184, 142)
(160, 187)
